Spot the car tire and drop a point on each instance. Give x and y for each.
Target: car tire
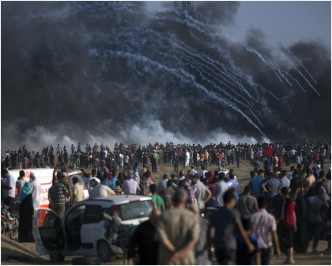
(105, 253)
(56, 257)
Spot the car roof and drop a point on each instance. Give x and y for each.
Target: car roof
(75, 172)
(121, 198)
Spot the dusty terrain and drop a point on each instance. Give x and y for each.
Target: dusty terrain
(13, 253)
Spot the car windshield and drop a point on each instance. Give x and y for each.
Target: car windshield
(135, 210)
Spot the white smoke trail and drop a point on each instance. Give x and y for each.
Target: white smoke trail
(180, 73)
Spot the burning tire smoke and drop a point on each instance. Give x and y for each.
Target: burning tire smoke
(114, 71)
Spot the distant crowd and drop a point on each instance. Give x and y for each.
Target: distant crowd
(200, 208)
(123, 157)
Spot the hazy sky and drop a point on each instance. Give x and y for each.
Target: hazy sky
(283, 21)
(288, 22)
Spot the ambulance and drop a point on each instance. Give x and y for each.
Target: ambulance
(44, 176)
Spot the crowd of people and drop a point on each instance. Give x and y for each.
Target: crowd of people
(290, 208)
(124, 157)
(200, 208)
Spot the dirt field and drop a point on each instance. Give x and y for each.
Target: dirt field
(13, 252)
(242, 173)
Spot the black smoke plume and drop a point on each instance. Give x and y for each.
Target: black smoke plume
(112, 71)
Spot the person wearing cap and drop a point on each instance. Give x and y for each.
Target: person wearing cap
(35, 190)
(57, 195)
(98, 190)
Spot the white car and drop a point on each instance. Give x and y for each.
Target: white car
(81, 232)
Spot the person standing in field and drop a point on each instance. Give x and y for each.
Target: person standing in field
(77, 191)
(8, 187)
(35, 190)
(263, 224)
(256, 182)
(220, 189)
(129, 186)
(156, 198)
(247, 204)
(289, 221)
(187, 158)
(162, 185)
(178, 231)
(57, 195)
(226, 221)
(201, 192)
(243, 256)
(168, 195)
(20, 182)
(145, 239)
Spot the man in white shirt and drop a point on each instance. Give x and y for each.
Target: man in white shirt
(121, 160)
(93, 177)
(8, 187)
(193, 171)
(202, 193)
(187, 158)
(203, 172)
(290, 175)
(35, 190)
(180, 178)
(220, 190)
(99, 191)
(232, 183)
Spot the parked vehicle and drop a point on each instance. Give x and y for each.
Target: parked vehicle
(83, 231)
(9, 222)
(44, 176)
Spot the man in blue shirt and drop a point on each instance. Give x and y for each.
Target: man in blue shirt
(137, 169)
(243, 256)
(256, 183)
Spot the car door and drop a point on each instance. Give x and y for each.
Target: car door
(49, 233)
(93, 228)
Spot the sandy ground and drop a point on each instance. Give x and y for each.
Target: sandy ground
(13, 252)
(242, 173)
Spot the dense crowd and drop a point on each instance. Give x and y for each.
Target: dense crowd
(200, 208)
(124, 157)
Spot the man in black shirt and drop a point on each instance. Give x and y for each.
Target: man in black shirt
(145, 238)
(296, 182)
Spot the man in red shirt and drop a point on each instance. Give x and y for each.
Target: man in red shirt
(268, 152)
(289, 220)
(280, 163)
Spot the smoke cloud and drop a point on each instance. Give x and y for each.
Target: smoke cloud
(114, 71)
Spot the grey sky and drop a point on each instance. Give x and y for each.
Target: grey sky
(282, 21)
(288, 22)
